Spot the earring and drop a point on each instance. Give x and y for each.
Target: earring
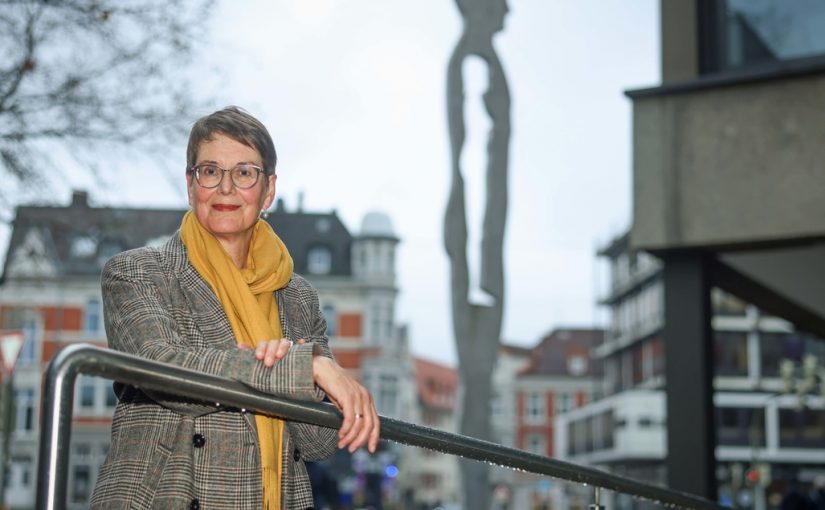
(264, 214)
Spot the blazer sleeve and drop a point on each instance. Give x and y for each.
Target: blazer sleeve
(139, 320)
(315, 442)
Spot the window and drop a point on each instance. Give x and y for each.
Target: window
(578, 436)
(329, 316)
(21, 469)
(739, 34)
(375, 320)
(92, 316)
(536, 443)
(496, 404)
(603, 432)
(28, 352)
(657, 352)
(111, 398)
(26, 474)
(81, 483)
(564, 402)
(774, 347)
(534, 409)
(804, 428)
(24, 401)
(86, 394)
(388, 313)
(388, 395)
(319, 260)
(731, 353)
(83, 246)
(577, 365)
(740, 426)
(760, 32)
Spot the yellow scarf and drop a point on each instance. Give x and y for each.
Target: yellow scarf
(247, 296)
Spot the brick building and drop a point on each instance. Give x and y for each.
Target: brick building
(50, 291)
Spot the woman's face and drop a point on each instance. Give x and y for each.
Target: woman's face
(226, 211)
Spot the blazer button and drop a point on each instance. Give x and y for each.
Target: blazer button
(195, 504)
(296, 455)
(198, 440)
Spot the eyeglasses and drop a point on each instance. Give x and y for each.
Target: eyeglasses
(243, 175)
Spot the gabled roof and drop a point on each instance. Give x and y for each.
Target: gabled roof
(81, 238)
(556, 354)
(303, 231)
(437, 384)
(76, 240)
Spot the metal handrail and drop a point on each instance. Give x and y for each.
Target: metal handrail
(58, 395)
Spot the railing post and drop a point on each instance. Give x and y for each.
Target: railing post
(596, 505)
(55, 432)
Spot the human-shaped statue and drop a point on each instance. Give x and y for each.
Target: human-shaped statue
(477, 327)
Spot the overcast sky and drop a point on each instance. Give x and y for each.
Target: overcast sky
(354, 96)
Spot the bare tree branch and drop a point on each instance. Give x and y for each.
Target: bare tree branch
(88, 72)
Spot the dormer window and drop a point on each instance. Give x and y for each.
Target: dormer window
(576, 365)
(319, 260)
(83, 246)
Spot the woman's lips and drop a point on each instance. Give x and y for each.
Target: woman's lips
(225, 207)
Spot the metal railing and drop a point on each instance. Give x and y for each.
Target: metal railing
(58, 399)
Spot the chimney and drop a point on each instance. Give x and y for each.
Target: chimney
(80, 198)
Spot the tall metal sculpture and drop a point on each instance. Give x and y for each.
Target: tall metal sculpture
(477, 327)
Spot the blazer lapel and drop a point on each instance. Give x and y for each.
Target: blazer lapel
(209, 316)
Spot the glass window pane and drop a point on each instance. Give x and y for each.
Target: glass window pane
(731, 353)
(804, 428)
(764, 31)
(319, 260)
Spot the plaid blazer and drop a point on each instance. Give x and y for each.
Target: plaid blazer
(169, 452)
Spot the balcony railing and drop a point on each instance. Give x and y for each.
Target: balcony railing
(59, 393)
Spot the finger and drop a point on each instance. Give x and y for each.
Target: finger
(366, 423)
(260, 350)
(370, 431)
(347, 426)
(352, 417)
(356, 436)
(283, 347)
(302, 341)
(375, 431)
(273, 350)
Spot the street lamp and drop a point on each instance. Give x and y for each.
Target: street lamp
(803, 379)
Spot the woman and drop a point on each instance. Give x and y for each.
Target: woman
(220, 297)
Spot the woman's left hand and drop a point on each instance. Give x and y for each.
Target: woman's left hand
(361, 425)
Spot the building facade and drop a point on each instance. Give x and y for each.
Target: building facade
(532, 387)
(434, 475)
(50, 291)
(770, 442)
(727, 194)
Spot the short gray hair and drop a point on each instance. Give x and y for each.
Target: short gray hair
(238, 124)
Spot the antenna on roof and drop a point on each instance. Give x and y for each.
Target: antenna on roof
(300, 201)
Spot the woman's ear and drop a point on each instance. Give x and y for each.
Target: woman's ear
(189, 180)
(269, 196)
